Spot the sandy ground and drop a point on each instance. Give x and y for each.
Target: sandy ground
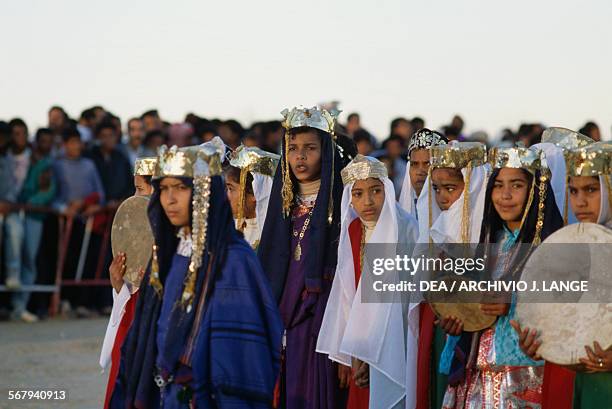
(56, 354)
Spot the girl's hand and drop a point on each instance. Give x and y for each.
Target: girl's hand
(116, 271)
(597, 359)
(528, 340)
(451, 325)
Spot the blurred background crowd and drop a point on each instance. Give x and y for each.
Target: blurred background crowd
(79, 169)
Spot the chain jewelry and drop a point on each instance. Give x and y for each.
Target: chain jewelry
(297, 254)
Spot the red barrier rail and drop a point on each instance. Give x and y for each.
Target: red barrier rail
(65, 231)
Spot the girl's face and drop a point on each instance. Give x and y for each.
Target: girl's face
(175, 198)
(419, 166)
(143, 188)
(368, 198)
(509, 195)
(233, 195)
(447, 183)
(304, 156)
(585, 198)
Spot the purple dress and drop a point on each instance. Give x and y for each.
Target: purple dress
(310, 380)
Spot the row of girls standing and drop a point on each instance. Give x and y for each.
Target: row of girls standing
(206, 329)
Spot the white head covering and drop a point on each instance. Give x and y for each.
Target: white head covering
(262, 186)
(605, 211)
(558, 180)
(407, 194)
(371, 332)
(447, 226)
(422, 139)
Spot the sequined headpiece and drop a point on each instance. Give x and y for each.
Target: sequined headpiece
(458, 155)
(363, 167)
(316, 118)
(591, 160)
(532, 161)
(425, 139)
(189, 161)
(145, 166)
(565, 138)
(254, 160)
(518, 158)
(200, 163)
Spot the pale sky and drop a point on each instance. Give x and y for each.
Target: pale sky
(496, 63)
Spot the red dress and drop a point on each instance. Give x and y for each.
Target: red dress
(358, 398)
(124, 327)
(558, 387)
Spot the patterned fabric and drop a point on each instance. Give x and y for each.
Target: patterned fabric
(490, 386)
(426, 138)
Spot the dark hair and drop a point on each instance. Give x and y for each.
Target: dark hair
(362, 135)
(351, 116)
(132, 120)
(153, 134)
(70, 133)
(307, 129)
(42, 131)
(492, 222)
(151, 112)
(58, 108)
(147, 178)
(418, 122)
(235, 127)
(5, 129)
(395, 122)
(233, 173)
(393, 138)
(451, 131)
(106, 124)
(18, 122)
(89, 114)
(588, 128)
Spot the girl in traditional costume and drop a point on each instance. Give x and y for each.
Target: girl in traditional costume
(520, 211)
(417, 167)
(248, 180)
(589, 194)
(450, 209)
(124, 297)
(368, 336)
(207, 331)
(298, 250)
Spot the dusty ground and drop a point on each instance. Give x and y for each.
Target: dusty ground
(57, 354)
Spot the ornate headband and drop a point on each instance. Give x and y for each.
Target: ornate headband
(255, 160)
(363, 167)
(425, 139)
(518, 158)
(591, 160)
(565, 138)
(458, 155)
(315, 117)
(145, 166)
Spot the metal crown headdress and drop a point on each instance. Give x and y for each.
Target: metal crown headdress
(199, 163)
(145, 166)
(363, 167)
(315, 117)
(458, 155)
(254, 160)
(190, 161)
(565, 138)
(518, 158)
(591, 160)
